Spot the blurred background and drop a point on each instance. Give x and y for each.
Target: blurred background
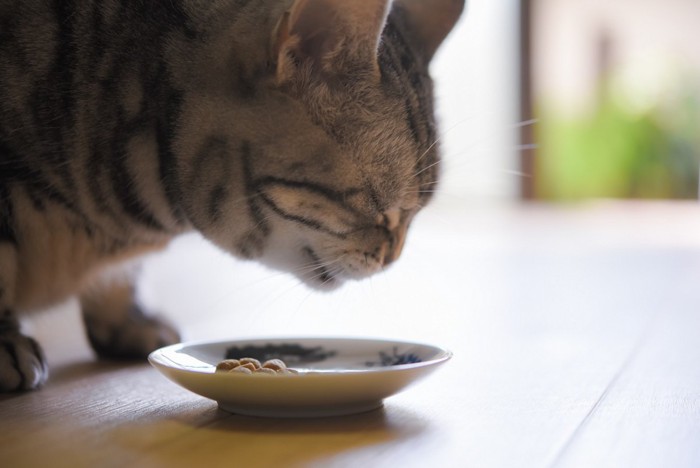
(616, 88)
(566, 100)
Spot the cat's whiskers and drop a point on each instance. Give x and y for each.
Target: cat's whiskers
(446, 158)
(451, 163)
(318, 265)
(309, 268)
(304, 268)
(423, 191)
(330, 278)
(293, 286)
(441, 136)
(330, 268)
(515, 126)
(456, 160)
(429, 166)
(296, 285)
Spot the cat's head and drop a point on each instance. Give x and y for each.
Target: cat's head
(343, 154)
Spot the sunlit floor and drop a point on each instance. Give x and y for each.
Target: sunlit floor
(575, 333)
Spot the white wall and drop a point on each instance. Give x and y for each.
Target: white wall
(476, 74)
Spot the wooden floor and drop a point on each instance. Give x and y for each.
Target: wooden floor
(575, 331)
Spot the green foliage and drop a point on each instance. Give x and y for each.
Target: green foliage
(616, 153)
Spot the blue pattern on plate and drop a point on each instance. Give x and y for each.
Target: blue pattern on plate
(394, 358)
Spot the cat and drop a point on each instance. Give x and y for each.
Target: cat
(300, 133)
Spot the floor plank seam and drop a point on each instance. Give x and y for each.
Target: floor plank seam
(568, 443)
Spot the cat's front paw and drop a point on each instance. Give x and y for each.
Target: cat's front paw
(22, 363)
(133, 337)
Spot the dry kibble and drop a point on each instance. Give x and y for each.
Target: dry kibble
(227, 365)
(249, 365)
(250, 360)
(274, 364)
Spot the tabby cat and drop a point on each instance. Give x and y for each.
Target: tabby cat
(297, 132)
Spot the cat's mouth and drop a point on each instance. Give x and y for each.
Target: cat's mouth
(318, 275)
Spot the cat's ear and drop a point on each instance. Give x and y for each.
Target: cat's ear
(430, 22)
(331, 36)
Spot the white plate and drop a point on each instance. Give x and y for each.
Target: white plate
(336, 375)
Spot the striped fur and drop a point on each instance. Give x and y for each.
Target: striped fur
(277, 133)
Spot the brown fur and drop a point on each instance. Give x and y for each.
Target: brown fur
(298, 132)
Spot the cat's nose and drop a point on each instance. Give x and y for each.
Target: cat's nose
(392, 228)
(392, 247)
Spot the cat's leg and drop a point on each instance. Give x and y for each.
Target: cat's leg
(117, 327)
(22, 362)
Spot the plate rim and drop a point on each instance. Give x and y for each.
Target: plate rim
(444, 354)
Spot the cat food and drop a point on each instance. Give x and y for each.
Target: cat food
(227, 365)
(250, 361)
(253, 366)
(276, 365)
